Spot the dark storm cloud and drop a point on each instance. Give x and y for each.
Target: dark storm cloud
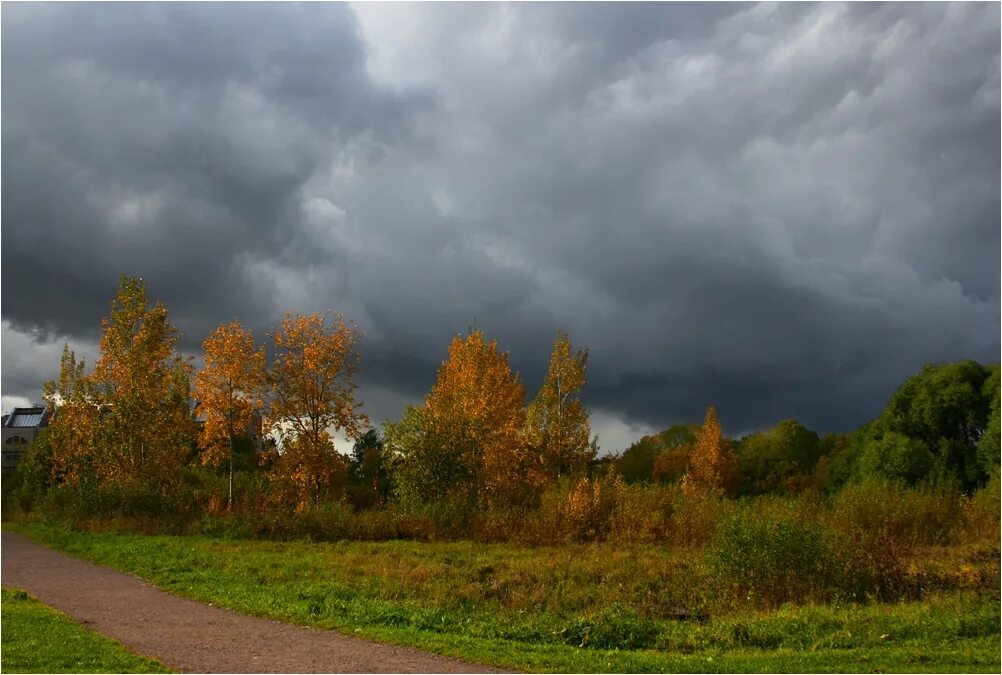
(779, 209)
(162, 140)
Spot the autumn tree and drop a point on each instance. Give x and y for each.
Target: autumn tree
(230, 390)
(712, 463)
(140, 384)
(466, 441)
(557, 425)
(73, 427)
(476, 412)
(638, 462)
(671, 464)
(313, 397)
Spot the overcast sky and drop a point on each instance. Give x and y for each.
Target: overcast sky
(782, 210)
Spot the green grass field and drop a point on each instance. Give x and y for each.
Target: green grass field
(581, 608)
(39, 639)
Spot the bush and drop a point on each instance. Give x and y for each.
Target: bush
(882, 513)
(695, 518)
(980, 520)
(614, 628)
(771, 559)
(643, 514)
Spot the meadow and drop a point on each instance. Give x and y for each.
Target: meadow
(877, 578)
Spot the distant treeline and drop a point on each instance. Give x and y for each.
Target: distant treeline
(249, 444)
(941, 426)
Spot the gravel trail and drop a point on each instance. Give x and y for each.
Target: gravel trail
(191, 636)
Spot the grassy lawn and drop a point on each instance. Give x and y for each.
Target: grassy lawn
(586, 608)
(38, 639)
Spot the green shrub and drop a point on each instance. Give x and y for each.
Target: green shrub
(616, 627)
(771, 559)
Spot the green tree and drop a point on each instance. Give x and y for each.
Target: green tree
(988, 446)
(34, 474)
(837, 462)
(896, 457)
(772, 460)
(424, 470)
(944, 407)
(368, 471)
(637, 462)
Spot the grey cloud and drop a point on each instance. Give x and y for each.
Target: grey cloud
(780, 209)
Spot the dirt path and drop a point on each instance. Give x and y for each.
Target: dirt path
(193, 637)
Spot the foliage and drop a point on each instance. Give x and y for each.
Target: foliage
(945, 408)
(670, 465)
(712, 464)
(313, 390)
(368, 471)
(230, 390)
(73, 429)
(895, 456)
(127, 424)
(773, 558)
(637, 462)
(588, 507)
(425, 471)
(989, 455)
(557, 427)
(837, 461)
(773, 460)
(475, 416)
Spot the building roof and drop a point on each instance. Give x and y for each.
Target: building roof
(26, 418)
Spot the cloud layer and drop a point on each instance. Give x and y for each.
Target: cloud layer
(779, 209)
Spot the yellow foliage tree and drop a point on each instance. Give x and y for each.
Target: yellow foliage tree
(712, 463)
(140, 385)
(72, 430)
(313, 389)
(475, 413)
(230, 389)
(557, 426)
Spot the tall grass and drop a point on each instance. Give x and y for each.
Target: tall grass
(860, 543)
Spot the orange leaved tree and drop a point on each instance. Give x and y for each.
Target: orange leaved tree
(140, 384)
(712, 463)
(73, 428)
(230, 390)
(557, 425)
(475, 413)
(313, 397)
